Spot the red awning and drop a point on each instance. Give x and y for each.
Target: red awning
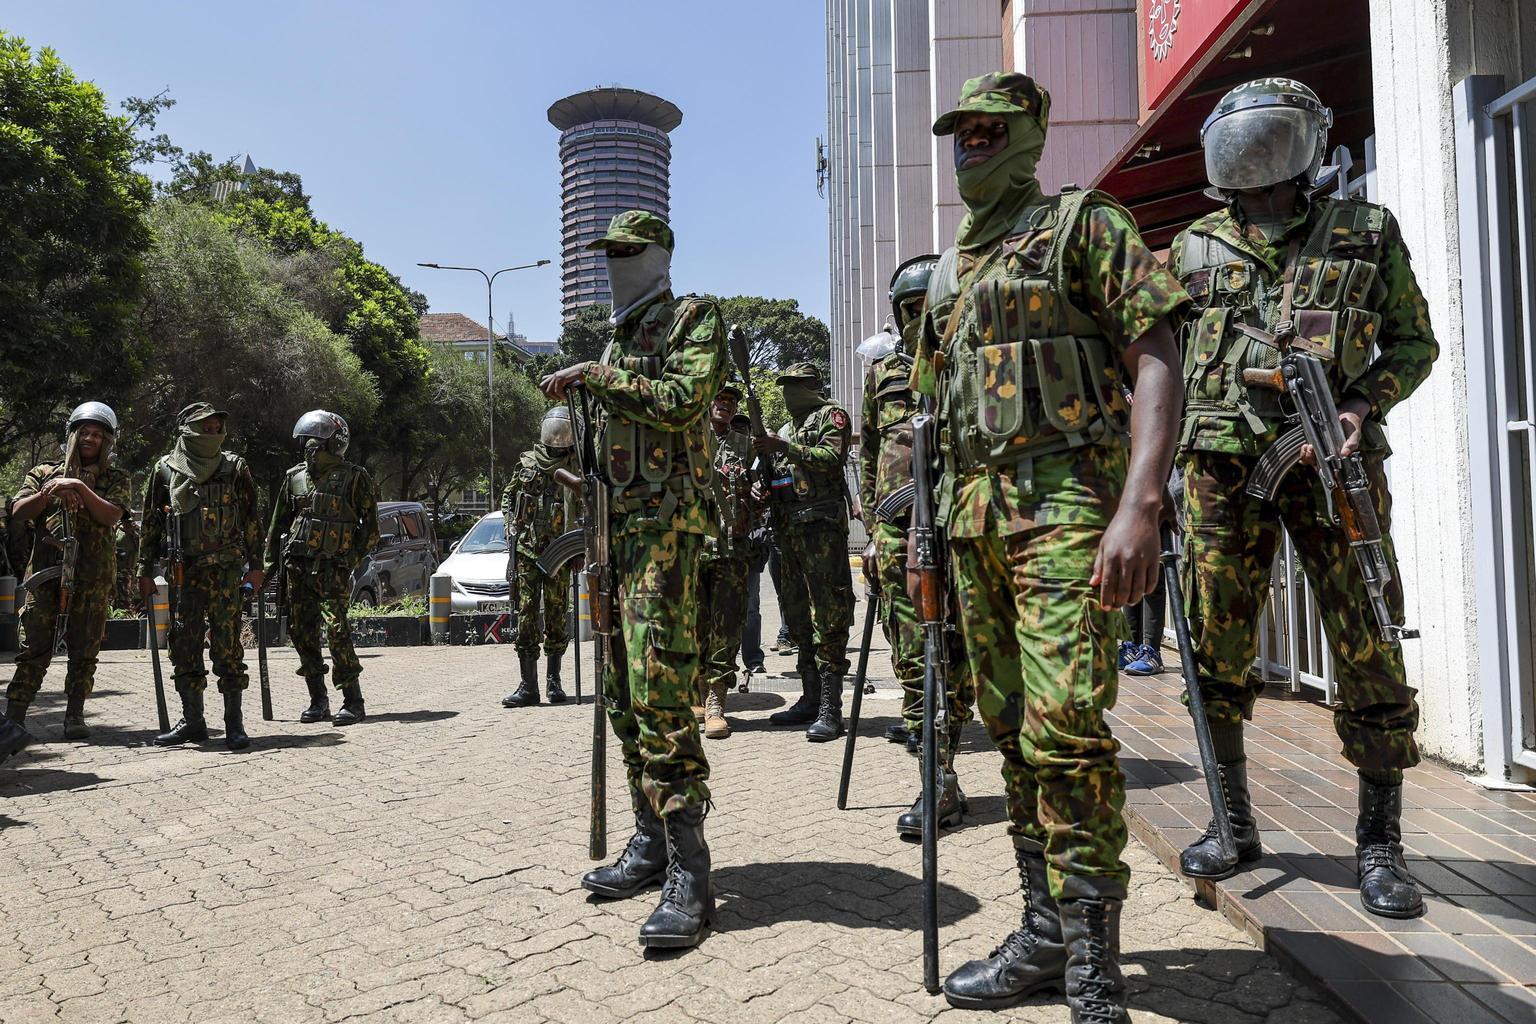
(1159, 174)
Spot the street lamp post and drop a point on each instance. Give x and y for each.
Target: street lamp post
(490, 352)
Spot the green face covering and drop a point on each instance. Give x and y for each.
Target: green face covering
(998, 192)
(801, 400)
(195, 459)
(318, 460)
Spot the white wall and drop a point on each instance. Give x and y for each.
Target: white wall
(1419, 50)
(965, 41)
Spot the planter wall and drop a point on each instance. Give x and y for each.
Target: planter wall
(389, 630)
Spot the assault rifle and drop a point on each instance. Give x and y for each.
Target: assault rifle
(64, 572)
(738, 346)
(176, 562)
(562, 549)
(930, 600)
(599, 570)
(1303, 377)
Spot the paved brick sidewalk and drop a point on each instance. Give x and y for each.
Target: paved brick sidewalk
(423, 867)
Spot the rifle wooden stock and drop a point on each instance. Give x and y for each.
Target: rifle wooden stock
(1274, 380)
(570, 481)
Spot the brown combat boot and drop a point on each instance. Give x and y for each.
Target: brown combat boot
(715, 725)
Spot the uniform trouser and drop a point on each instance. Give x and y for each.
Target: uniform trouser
(654, 667)
(536, 591)
(1042, 650)
(87, 625)
(1231, 542)
(816, 593)
(723, 593)
(208, 606)
(318, 599)
(898, 617)
(1149, 615)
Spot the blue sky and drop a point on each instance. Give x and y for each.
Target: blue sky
(419, 128)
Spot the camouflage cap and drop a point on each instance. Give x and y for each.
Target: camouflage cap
(732, 388)
(197, 412)
(637, 227)
(1001, 92)
(807, 373)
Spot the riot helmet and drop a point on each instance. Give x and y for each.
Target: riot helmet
(1265, 132)
(329, 429)
(909, 286)
(93, 412)
(555, 431)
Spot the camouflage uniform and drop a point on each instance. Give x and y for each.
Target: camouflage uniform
(654, 386)
(810, 515)
(95, 576)
(533, 509)
(321, 529)
(886, 464)
(1353, 287)
(220, 538)
(726, 560)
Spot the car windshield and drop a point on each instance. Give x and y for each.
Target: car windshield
(485, 539)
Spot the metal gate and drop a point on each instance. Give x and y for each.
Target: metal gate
(1495, 184)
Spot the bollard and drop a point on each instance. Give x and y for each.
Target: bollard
(161, 600)
(439, 605)
(583, 612)
(8, 631)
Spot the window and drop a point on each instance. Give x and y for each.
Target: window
(411, 521)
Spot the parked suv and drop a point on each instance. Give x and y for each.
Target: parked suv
(404, 559)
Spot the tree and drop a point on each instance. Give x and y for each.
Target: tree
(72, 242)
(778, 334)
(585, 335)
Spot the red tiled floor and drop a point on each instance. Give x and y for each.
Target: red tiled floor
(1471, 958)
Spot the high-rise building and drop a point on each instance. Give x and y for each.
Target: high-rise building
(614, 156)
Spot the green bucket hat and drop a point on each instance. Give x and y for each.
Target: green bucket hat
(197, 412)
(803, 372)
(636, 227)
(1000, 92)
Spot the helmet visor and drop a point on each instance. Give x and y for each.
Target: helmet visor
(555, 432)
(1260, 146)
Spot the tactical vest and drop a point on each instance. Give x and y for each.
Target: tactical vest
(640, 458)
(1027, 373)
(537, 501)
(218, 521)
(802, 494)
(325, 524)
(894, 409)
(733, 508)
(1334, 307)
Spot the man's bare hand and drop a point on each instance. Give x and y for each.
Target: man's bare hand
(1352, 414)
(1125, 569)
(871, 577)
(558, 383)
(770, 444)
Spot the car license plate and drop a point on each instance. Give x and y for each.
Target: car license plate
(495, 606)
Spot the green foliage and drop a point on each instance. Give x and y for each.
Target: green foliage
(584, 336)
(226, 329)
(778, 334)
(412, 607)
(771, 396)
(72, 239)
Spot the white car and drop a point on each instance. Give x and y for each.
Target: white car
(478, 567)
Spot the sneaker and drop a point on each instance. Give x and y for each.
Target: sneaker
(1148, 661)
(1128, 651)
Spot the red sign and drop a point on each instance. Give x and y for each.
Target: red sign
(1177, 33)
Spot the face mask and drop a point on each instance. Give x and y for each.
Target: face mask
(997, 192)
(801, 400)
(200, 445)
(635, 280)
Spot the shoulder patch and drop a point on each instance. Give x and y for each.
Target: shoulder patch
(839, 419)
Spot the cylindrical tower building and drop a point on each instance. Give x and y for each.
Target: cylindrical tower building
(614, 156)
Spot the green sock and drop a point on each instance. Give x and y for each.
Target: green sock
(1227, 738)
(1382, 776)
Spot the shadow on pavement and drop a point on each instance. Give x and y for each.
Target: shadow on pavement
(411, 716)
(46, 780)
(315, 739)
(1146, 773)
(828, 892)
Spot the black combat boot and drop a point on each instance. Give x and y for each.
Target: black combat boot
(802, 711)
(642, 864)
(16, 711)
(192, 728)
(74, 717)
(1030, 961)
(897, 733)
(527, 693)
(1202, 858)
(1095, 987)
(351, 706)
(319, 709)
(234, 725)
(952, 808)
(829, 720)
(687, 904)
(552, 678)
(1386, 887)
(12, 737)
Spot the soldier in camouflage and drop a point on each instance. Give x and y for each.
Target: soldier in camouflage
(1282, 261)
(207, 498)
(81, 497)
(653, 388)
(885, 465)
(723, 588)
(325, 520)
(534, 512)
(809, 501)
(1043, 308)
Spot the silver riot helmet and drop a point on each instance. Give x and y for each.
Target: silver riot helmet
(93, 412)
(1265, 132)
(555, 431)
(326, 427)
